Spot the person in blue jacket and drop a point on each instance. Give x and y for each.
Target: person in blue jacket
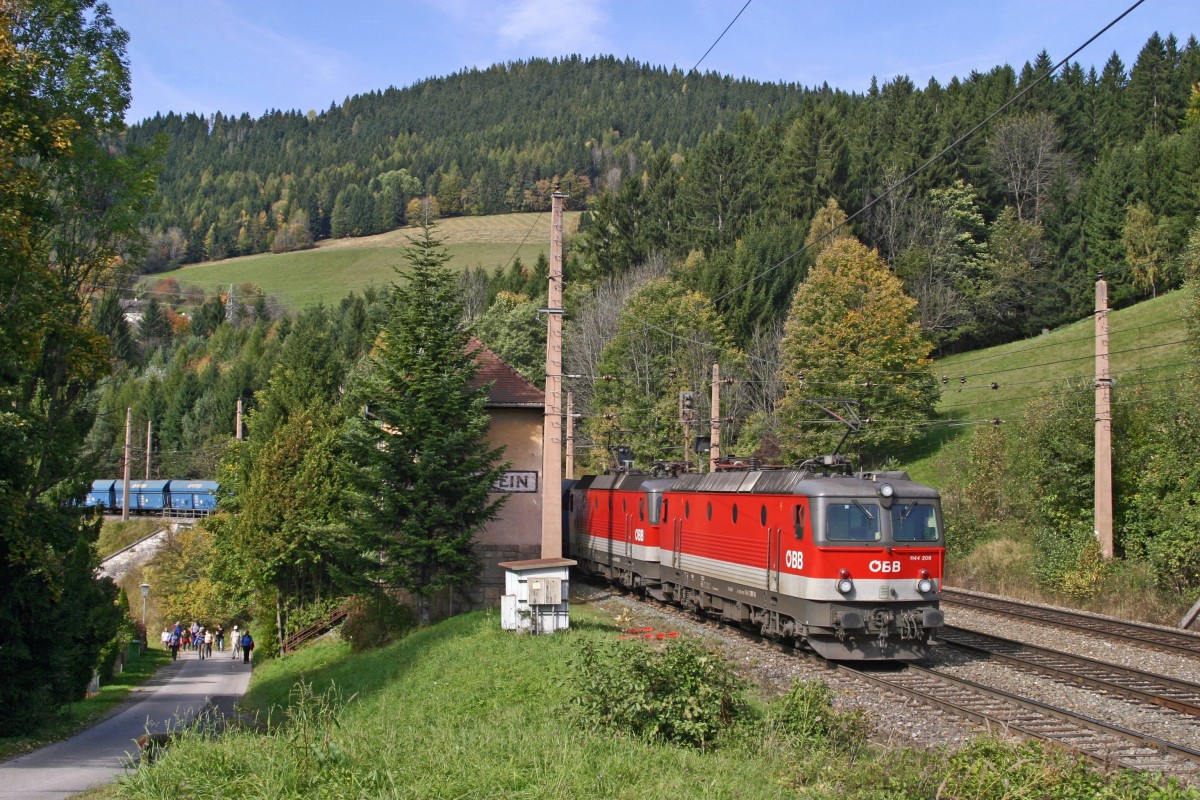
(247, 645)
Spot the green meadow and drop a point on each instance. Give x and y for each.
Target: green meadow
(333, 269)
(1146, 347)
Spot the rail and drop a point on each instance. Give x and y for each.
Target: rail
(1102, 742)
(1162, 639)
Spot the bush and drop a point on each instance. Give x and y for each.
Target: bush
(990, 768)
(806, 716)
(682, 694)
(375, 621)
(1068, 559)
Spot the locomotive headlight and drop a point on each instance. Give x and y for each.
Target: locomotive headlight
(925, 585)
(844, 584)
(886, 490)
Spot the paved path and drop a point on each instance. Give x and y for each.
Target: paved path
(98, 755)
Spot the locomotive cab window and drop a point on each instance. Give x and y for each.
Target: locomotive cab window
(799, 522)
(642, 509)
(852, 522)
(914, 522)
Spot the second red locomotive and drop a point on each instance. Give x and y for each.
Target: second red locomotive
(851, 565)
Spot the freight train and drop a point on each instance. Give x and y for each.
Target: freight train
(849, 564)
(177, 497)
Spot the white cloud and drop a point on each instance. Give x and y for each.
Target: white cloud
(562, 26)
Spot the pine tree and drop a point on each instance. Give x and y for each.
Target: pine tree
(154, 328)
(422, 465)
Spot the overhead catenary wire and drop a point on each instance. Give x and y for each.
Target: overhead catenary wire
(902, 182)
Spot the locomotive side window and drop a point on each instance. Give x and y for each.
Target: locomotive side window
(642, 509)
(914, 523)
(735, 513)
(687, 509)
(623, 508)
(664, 509)
(799, 522)
(710, 512)
(762, 515)
(852, 522)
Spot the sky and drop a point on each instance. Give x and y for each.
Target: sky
(206, 56)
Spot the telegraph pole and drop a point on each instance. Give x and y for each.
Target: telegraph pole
(1104, 488)
(128, 434)
(570, 435)
(714, 427)
(149, 431)
(552, 429)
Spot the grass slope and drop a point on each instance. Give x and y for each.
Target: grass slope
(462, 710)
(466, 710)
(335, 268)
(1146, 345)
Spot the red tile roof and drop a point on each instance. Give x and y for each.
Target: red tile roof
(510, 389)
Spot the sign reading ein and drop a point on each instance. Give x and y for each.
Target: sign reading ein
(516, 481)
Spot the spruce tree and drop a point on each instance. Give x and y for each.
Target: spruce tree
(422, 466)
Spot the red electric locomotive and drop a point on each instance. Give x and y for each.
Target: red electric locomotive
(849, 564)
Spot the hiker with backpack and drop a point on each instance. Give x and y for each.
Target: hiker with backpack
(247, 642)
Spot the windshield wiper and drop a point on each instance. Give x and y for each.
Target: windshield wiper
(907, 510)
(864, 509)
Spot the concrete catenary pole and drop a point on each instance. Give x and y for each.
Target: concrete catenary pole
(149, 433)
(1104, 488)
(552, 429)
(714, 428)
(239, 420)
(570, 436)
(128, 435)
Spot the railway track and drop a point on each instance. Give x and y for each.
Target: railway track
(1160, 639)
(1112, 679)
(1108, 745)
(1104, 743)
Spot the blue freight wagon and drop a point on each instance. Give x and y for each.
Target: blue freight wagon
(148, 496)
(193, 497)
(102, 495)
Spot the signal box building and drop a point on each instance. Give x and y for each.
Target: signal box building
(517, 409)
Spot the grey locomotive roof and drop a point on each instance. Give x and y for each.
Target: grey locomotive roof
(780, 481)
(787, 481)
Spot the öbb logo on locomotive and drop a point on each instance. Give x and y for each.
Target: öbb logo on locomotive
(847, 564)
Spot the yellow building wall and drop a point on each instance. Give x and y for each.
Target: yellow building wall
(516, 534)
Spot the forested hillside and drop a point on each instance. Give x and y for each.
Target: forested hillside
(1096, 169)
(480, 142)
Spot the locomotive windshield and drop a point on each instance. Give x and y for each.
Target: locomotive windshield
(913, 522)
(852, 522)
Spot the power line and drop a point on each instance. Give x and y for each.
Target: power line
(903, 181)
(714, 44)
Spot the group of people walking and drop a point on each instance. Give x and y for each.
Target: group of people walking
(200, 640)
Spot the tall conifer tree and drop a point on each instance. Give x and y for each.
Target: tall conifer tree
(422, 464)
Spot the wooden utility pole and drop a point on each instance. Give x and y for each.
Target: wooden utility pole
(149, 432)
(570, 436)
(714, 427)
(552, 429)
(1104, 490)
(239, 420)
(128, 435)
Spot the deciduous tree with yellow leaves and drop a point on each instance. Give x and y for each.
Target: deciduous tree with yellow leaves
(851, 334)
